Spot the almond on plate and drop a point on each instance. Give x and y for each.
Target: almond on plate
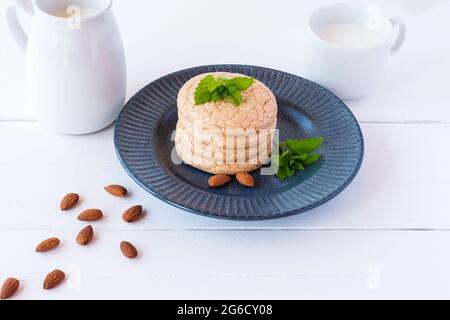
(218, 180)
(69, 201)
(48, 245)
(9, 287)
(53, 279)
(85, 236)
(245, 179)
(116, 190)
(91, 215)
(132, 214)
(128, 250)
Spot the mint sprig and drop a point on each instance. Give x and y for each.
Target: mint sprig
(212, 89)
(295, 155)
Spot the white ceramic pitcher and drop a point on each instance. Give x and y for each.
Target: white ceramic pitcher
(76, 67)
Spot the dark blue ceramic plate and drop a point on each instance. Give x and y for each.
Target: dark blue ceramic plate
(144, 145)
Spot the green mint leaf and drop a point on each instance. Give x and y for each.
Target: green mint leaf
(219, 94)
(282, 174)
(303, 157)
(221, 89)
(290, 171)
(285, 172)
(295, 155)
(297, 165)
(235, 95)
(301, 147)
(285, 168)
(313, 158)
(284, 159)
(213, 86)
(242, 83)
(203, 94)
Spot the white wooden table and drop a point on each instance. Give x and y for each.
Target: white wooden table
(386, 236)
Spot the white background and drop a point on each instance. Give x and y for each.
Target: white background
(386, 236)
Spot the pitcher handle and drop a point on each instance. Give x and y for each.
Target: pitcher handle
(13, 21)
(400, 25)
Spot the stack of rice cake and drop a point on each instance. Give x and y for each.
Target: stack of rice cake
(222, 138)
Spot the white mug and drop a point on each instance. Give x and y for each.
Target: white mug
(76, 68)
(351, 72)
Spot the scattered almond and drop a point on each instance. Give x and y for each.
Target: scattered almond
(9, 287)
(128, 250)
(218, 180)
(132, 214)
(116, 190)
(53, 279)
(69, 201)
(48, 245)
(245, 179)
(85, 236)
(90, 215)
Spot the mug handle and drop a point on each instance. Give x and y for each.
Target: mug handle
(13, 21)
(399, 24)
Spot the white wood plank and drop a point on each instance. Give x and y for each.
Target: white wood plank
(403, 183)
(235, 264)
(415, 88)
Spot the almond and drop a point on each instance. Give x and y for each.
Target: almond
(90, 215)
(218, 180)
(9, 287)
(132, 214)
(128, 250)
(53, 279)
(116, 190)
(48, 245)
(69, 201)
(245, 179)
(85, 236)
